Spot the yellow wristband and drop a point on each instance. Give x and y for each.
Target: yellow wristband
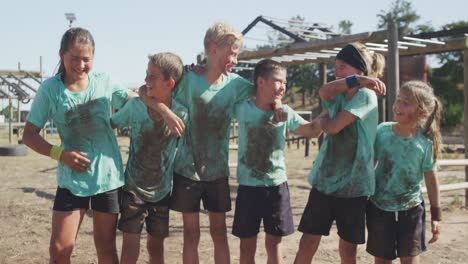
(56, 152)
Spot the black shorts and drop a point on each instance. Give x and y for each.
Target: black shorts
(187, 193)
(106, 202)
(268, 203)
(135, 212)
(349, 213)
(392, 235)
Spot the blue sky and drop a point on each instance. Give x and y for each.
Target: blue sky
(127, 31)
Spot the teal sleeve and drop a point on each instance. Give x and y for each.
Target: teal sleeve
(119, 94)
(428, 162)
(362, 103)
(377, 140)
(294, 119)
(180, 91)
(237, 109)
(329, 104)
(43, 107)
(246, 89)
(124, 117)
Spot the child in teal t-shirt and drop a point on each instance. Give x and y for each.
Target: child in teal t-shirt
(90, 166)
(405, 151)
(148, 176)
(263, 192)
(342, 176)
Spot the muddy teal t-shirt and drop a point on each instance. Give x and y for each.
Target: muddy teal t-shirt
(402, 163)
(82, 120)
(203, 154)
(152, 150)
(345, 164)
(261, 145)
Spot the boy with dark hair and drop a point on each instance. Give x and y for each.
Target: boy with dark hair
(263, 191)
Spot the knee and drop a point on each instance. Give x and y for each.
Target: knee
(247, 249)
(348, 252)
(309, 242)
(192, 235)
(129, 256)
(272, 242)
(60, 251)
(155, 247)
(108, 245)
(218, 233)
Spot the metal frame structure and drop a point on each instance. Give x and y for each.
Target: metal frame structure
(16, 85)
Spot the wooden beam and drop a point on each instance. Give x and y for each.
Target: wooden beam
(465, 106)
(450, 187)
(450, 45)
(20, 74)
(313, 46)
(452, 162)
(393, 68)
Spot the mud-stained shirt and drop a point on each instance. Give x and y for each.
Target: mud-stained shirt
(261, 145)
(203, 154)
(402, 163)
(344, 166)
(149, 168)
(82, 120)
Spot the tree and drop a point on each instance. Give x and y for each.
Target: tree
(402, 13)
(447, 81)
(344, 26)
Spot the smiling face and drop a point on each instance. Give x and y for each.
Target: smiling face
(156, 86)
(406, 110)
(273, 87)
(342, 69)
(225, 57)
(78, 61)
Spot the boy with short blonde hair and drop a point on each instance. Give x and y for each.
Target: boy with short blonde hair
(201, 172)
(223, 35)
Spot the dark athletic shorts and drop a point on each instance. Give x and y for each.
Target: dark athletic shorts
(135, 212)
(388, 238)
(187, 193)
(268, 203)
(106, 202)
(348, 213)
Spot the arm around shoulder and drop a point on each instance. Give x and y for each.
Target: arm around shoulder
(312, 129)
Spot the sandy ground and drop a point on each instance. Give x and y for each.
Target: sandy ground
(28, 190)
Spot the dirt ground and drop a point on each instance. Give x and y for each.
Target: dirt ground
(28, 190)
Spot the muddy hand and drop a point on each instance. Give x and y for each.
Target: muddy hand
(75, 160)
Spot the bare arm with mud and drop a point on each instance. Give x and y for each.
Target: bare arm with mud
(334, 125)
(175, 124)
(330, 90)
(74, 159)
(433, 193)
(312, 129)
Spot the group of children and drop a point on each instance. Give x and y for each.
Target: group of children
(180, 128)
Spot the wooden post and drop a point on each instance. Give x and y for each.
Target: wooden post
(307, 140)
(393, 66)
(18, 112)
(10, 119)
(465, 106)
